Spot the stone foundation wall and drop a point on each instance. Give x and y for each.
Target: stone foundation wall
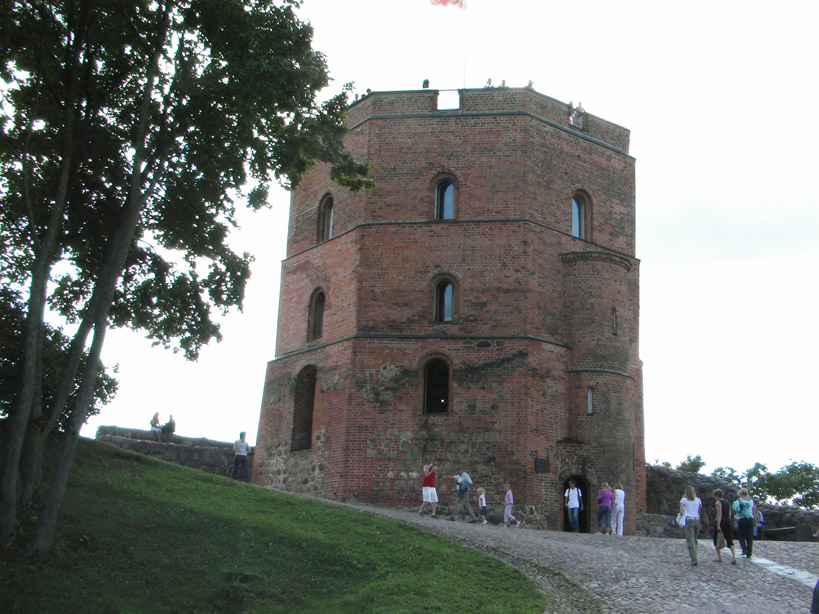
(214, 457)
(664, 489)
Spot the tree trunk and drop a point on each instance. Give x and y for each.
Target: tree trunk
(31, 468)
(99, 309)
(31, 464)
(18, 420)
(44, 247)
(47, 520)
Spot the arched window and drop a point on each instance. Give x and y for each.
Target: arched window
(315, 318)
(445, 200)
(325, 219)
(303, 405)
(444, 300)
(579, 217)
(436, 387)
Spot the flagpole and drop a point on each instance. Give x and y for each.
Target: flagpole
(465, 40)
(464, 28)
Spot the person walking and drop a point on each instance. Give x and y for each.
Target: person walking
(745, 512)
(619, 512)
(605, 501)
(482, 504)
(573, 500)
(508, 517)
(240, 465)
(464, 484)
(723, 527)
(691, 508)
(429, 494)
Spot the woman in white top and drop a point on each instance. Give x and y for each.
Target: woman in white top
(691, 507)
(619, 511)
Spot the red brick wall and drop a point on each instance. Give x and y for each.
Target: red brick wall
(532, 330)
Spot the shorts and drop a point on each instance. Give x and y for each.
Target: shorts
(483, 511)
(430, 494)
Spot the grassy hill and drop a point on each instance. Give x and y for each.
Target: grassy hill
(141, 535)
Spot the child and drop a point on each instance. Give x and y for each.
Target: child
(482, 504)
(508, 518)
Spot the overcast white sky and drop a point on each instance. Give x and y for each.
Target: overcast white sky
(722, 101)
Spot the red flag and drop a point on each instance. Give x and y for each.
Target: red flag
(458, 3)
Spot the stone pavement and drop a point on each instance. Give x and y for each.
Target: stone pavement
(607, 574)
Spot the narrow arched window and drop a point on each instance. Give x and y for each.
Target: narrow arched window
(445, 200)
(436, 387)
(444, 298)
(325, 220)
(315, 318)
(578, 217)
(303, 406)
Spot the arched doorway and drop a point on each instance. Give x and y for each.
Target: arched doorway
(583, 517)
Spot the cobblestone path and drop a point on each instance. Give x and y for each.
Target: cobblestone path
(601, 573)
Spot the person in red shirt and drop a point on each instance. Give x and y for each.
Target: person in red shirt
(428, 486)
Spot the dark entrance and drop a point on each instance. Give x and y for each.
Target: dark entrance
(583, 485)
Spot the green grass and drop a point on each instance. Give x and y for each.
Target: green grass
(140, 535)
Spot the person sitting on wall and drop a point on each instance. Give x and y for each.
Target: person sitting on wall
(169, 427)
(155, 429)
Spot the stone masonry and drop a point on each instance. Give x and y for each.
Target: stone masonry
(205, 454)
(536, 360)
(665, 488)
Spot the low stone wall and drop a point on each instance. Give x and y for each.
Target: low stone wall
(205, 454)
(664, 489)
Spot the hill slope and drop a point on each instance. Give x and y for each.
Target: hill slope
(141, 535)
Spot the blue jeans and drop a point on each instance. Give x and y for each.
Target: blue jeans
(574, 519)
(604, 512)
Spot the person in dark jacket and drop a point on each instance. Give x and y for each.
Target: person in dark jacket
(723, 526)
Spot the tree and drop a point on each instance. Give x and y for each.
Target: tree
(795, 484)
(692, 465)
(132, 130)
(54, 350)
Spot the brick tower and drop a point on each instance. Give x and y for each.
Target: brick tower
(479, 306)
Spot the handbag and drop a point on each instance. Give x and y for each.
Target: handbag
(681, 520)
(720, 541)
